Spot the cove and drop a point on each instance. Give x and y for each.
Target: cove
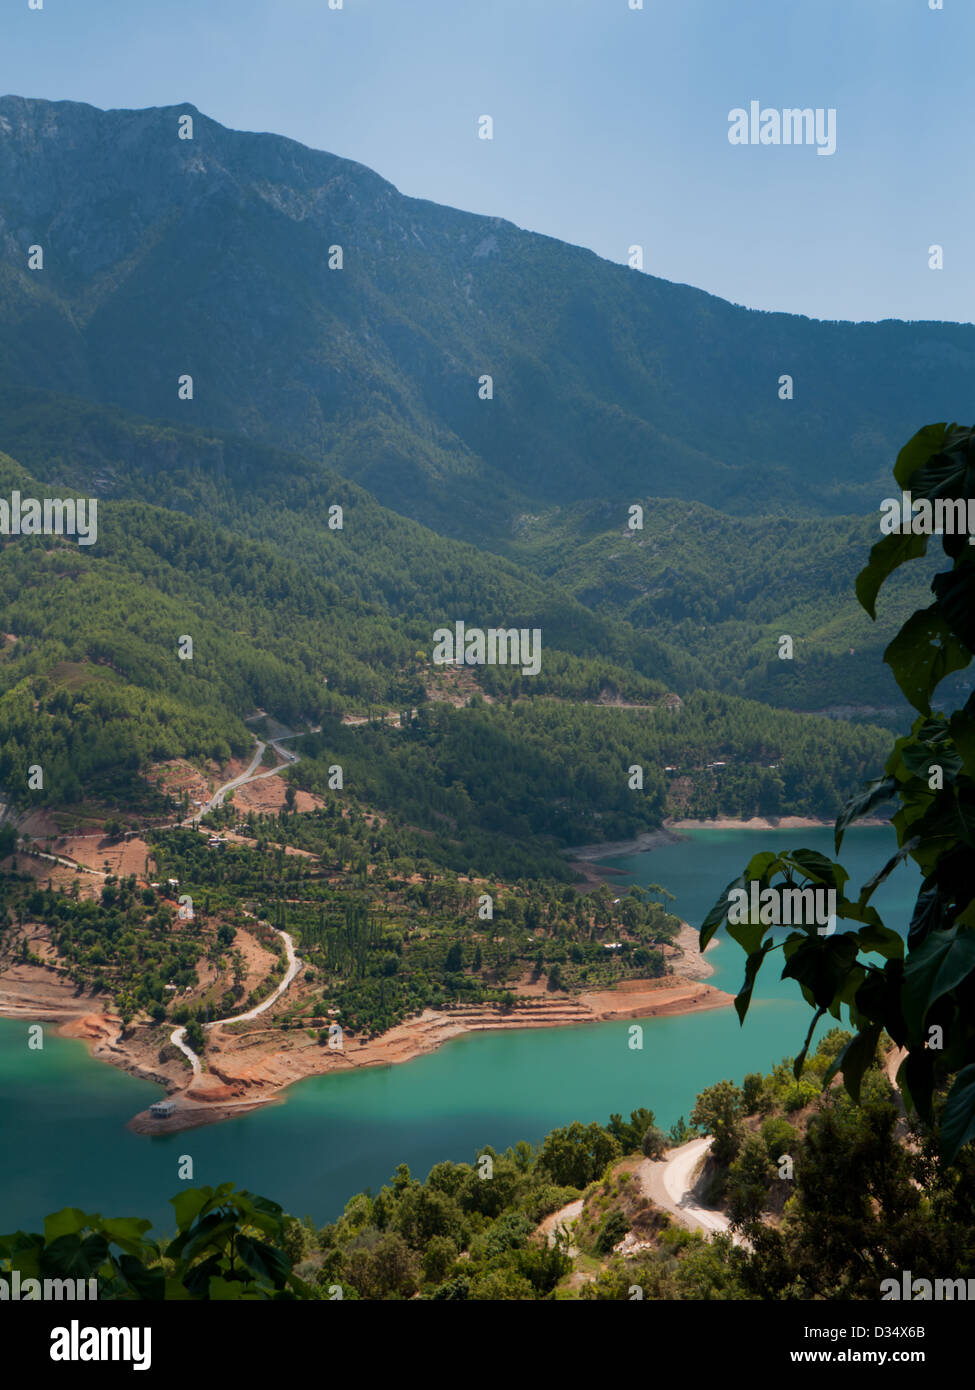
(63, 1115)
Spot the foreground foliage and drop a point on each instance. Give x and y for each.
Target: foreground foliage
(923, 992)
(832, 1197)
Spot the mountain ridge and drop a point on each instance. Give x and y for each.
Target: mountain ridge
(209, 257)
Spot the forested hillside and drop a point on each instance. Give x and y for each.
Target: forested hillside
(559, 769)
(606, 382)
(312, 623)
(725, 589)
(696, 599)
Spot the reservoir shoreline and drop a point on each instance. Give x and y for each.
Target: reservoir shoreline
(351, 1128)
(244, 1075)
(581, 856)
(241, 1077)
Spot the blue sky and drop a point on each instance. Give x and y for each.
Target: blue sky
(611, 124)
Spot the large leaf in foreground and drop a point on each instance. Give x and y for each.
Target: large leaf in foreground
(958, 1117)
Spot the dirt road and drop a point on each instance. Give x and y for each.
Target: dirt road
(669, 1183)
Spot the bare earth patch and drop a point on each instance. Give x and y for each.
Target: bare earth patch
(267, 795)
(252, 1068)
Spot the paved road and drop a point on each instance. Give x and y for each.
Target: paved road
(288, 759)
(218, 796)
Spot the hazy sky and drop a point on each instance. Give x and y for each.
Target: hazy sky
(611, 124)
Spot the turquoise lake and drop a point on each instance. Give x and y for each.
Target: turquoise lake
(63, 1115)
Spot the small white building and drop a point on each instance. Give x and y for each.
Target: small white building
(162, 1109)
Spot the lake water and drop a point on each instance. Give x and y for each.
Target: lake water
(63, 1115)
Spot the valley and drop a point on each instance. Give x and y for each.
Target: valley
(450, 625)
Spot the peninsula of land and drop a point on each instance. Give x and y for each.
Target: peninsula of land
(247, 1066)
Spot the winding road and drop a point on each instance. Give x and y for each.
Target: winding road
(178, 1036)
(288, 759)
(669, 1183)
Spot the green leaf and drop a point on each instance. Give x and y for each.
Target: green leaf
(263, 1261)
(747, 934)
(210, 1234)
(951, 816)
(126, 1232)
(66, 1222)
(719, 912)
(818, 868)
(189, 1204)
(69, 1257)
(854, 1060)
(874, 794)
(800, 1061)
(28, 1260)
(868, 889)
(848, 990)
(197, 1279)
(886, 556)
(856, 912)
(148, 1283)
(955, 592)
(948, 472)
(228, 1290)
(958, 1116)
(821, 965)
(879, 1000)
(922, 654)
(919, 755)
(752, 966)
(883, 941)
(259, 1212)
(762, 866)
(940, 963)
(265, 1204)
(924, 445)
